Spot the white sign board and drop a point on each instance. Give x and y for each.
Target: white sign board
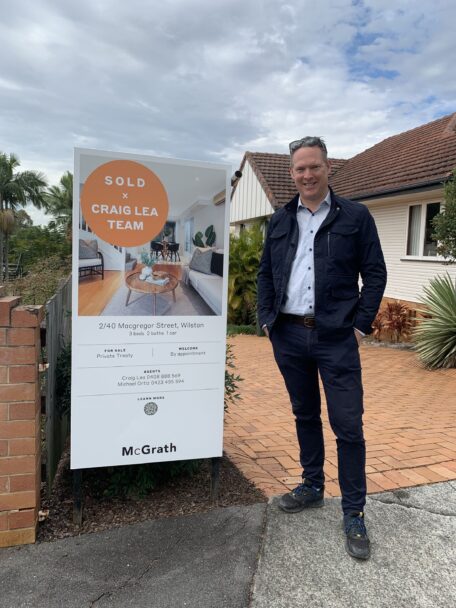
(149, 309)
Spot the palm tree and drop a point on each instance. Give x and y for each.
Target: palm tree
(59, 203)
(16, 190)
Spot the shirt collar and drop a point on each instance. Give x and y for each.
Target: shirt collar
(326, 200)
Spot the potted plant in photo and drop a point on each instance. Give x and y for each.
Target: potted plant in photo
(210, 235)
(148, 262)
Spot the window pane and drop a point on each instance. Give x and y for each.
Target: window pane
(413, 241)
(189, 229)
(430, 246)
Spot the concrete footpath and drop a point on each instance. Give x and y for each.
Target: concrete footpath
(253, 556)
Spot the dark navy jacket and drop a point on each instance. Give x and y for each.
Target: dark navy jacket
(346, 246)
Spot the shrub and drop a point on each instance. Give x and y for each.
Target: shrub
(435, 336)
(377, 326)
(63, 381)
(231, 379)
(245, 255)
(233, 330)
(140, 479)
(42, 280)
(395, 322)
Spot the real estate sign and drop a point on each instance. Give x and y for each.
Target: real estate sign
(150, 266)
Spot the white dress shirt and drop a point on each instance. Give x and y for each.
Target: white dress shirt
(300, 292)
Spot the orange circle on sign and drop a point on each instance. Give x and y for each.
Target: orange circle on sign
(124, 203)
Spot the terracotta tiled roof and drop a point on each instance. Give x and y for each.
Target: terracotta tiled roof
(336, 164)
(272, 171)
(420, 157)
(423, 156)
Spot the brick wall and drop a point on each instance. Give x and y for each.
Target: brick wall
(20, 440)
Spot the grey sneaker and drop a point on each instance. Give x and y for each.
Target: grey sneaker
(357, 542)
(304, 496)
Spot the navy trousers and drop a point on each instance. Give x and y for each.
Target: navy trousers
(301, 355)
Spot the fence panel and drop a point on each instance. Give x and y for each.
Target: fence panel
(58, 335)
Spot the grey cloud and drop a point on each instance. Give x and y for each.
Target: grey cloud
(204, 79)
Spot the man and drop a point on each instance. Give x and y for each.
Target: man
(310, 306)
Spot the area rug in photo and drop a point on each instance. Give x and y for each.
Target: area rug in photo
(138, 305)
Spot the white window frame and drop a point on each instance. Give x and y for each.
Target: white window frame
(421, 257)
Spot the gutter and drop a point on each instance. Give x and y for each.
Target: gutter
(381, 193)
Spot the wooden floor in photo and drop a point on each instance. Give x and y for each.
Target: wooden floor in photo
(108, 297)
(95, 292)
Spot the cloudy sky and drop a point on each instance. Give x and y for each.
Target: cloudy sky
(210, 79)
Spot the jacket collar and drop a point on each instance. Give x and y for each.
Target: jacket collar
(292, 206)
(292, 209)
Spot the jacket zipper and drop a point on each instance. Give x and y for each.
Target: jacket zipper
(329, 249)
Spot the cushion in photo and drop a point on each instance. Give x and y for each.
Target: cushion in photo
(217, 264)
(201, 261)
(88, 249)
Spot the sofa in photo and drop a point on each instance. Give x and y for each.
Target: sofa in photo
(205, 275)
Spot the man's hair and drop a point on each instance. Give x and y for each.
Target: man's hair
(308, 142)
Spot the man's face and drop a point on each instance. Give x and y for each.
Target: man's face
(310, 172)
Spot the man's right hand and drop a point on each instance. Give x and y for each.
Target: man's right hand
(265, 330)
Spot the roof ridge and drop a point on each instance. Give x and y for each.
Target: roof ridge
(268, 154)
(423, 155)
(405, 134)
(450, 129)
(426, 126)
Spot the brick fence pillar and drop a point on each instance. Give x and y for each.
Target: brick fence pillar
(20, 410)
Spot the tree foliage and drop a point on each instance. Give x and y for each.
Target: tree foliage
(444, 223)
(17, 188)
(36, 243)
(59, 204)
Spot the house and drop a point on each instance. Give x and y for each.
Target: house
(399, 179)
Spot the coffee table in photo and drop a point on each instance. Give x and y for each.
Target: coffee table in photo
(134, 283)
(174, 269)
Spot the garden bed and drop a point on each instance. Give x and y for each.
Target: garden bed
(182, 495)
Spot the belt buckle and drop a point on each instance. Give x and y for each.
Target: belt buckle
(309, 322)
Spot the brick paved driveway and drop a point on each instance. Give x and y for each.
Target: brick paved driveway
(409, 422)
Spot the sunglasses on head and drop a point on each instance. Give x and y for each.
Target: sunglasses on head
(307, 142)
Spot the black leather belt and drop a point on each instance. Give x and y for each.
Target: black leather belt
(306, 320)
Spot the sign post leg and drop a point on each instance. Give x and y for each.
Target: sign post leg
(215, 478)
(77, 497)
